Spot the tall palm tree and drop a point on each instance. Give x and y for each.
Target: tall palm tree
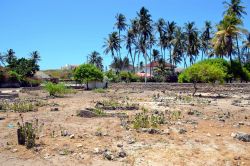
(192, 41)
(206, 39)
(10, 57)
(96, 59)
(161, 29)
(111, 44)
(35, 56)
(145, 31)
(246, 45)
(224, 38)
(130, 40)
(2, 59)
(156, 55)
(121, 26)
(151, 43)
(234, 8)
(171, 26)
(178, 46)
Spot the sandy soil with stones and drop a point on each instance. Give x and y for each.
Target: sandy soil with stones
(208, 122)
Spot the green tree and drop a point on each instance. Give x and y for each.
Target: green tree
(10, 58)
(86, 73)
(202, 73)
(112, 44)
(206, 40)
(192, 41)
(145, 32)
(96, 59)
(121, 26)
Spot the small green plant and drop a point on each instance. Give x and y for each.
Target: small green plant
(99, 90)
(27, 132)
(99, 112)
(19, 106)
(56, 89)
(141, 120)
(175, 115)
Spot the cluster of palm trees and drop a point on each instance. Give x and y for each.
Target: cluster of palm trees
(10, 55)
(143, 37)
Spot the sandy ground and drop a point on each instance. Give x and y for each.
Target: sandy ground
(207, 140)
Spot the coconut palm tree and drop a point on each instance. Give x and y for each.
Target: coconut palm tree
(121, 26)
(10, 57)
(192, 41)
(224, 38)
(206, 40)
(150, 44)
(156, 55)
(171, 26)
(129, 41)
(35, 56)
(145, 31)
(111, 44)
(234, 8)
(178, 46)
(2, 59)
(96, 59)
(246, 45)
(161, 29)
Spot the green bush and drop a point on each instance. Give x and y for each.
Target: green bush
(56, 89)
(14, 77)
(203, 73)
(88, 72)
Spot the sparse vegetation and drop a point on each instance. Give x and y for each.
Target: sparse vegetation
(57, 89)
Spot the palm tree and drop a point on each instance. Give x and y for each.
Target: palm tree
(206, 38)
(119, 64)
(10, 57)
(178, 46)
(35, 56)
(246, 45)
(150, 44)
(224, 38)
(171, 26)
(145, 31)
(121, 26)
(129, 39)
(161, 29)
(112, 44)
(156, 55)
(235, 9)
(96, 59)
(2, 59)
(192, 41)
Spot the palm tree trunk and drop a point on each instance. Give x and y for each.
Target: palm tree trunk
(238, 48)
(150, 61)
(145, 56)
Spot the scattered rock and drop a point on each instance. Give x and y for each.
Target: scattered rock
(14, 150)
(72, 136)
(96, 151)
(131, 141)
(182, 131)
(86, 114)
(122, 153)
(64, 133)
(119, 145)
(54, 109)
(79, 145)
(2, 118)
(241, 136)
(218, 135)
(241, 123)
(108, 155)
(151, 130)
(237, 158)
(98, 133)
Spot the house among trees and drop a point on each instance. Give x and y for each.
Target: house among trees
(152, 67)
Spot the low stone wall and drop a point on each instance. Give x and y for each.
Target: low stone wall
(234, 87)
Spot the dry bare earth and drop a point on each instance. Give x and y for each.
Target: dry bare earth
(208, 120)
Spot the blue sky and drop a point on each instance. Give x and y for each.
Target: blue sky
(66, 31)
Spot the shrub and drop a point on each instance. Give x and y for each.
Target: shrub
(112, 76)
(30, 82)
(27, 133)
(203, 73)
(56, 89)
(13, 76)
(86, 73)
